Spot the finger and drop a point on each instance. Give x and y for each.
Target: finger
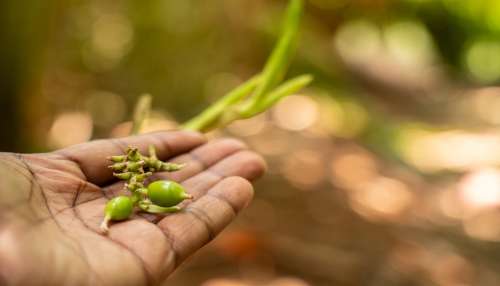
(196, 161)
(202, 158)
(92, 157)
(189, 230)
(245, 164)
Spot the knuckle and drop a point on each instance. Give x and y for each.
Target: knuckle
(240, 183)
(255, 164)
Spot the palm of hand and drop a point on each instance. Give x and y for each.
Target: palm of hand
(52, 205)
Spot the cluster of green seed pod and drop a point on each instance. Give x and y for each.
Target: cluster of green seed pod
(160, 196)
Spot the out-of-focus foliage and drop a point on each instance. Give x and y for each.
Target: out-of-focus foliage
(383, 172)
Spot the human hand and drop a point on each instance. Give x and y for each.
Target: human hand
(51, 206)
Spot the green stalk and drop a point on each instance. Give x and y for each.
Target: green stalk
(231, 108)
(275, 67)
(287, 88)
(154, 209)
(209, 116)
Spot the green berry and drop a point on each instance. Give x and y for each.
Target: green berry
(167, 193)
(118, 208)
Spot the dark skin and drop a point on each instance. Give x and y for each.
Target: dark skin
(51, 206)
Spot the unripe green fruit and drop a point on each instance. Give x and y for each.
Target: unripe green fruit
(167, 193)
(119, 208)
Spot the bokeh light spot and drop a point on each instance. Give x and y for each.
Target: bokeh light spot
(250, 126)
(111, 39)
(481, 188)
(352, 168)
(437, 151)
(106, 108)
(304, 168)
(409, 43)
(70, 128)
(484, 225)
(382, 198)
(295, 112)
(358, 40)
(482, 59)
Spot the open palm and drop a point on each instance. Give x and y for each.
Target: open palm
(51, 206)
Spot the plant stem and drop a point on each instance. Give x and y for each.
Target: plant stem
(155, 209)
(141, 112)
(276, 65)
(205, 120)
(230, 107)
(105, 225)
(287, 88)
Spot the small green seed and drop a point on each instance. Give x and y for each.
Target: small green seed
(142, 191)
(118, 166)
(117, 159)
(134, 166)
(134, 186)
(142, 177)
(133, 154)
(167, 193)
(123, 176)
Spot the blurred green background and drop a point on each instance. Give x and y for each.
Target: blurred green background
(385, 171)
